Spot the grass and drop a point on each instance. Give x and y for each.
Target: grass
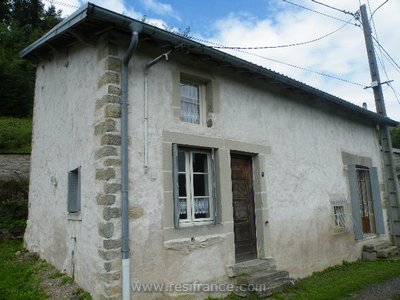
(66, 280)
(341, 281)
(19, 280)
(26, 276)
(15, 135)
(336, 282)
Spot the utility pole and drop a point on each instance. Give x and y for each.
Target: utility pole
(392, 185)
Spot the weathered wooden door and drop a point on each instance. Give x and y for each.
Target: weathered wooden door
(364, 188)
(243, 208)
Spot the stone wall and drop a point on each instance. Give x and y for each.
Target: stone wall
(14, 166)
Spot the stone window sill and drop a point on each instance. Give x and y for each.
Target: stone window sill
(74, 216)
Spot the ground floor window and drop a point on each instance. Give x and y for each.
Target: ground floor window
(194, 186)
(74, 191)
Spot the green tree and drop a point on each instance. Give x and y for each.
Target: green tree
(395, 133)
(23, 22)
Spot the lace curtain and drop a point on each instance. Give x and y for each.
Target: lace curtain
(190, 103)
(201, 206)
(182, 207)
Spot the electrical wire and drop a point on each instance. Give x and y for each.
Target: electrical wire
(388, 59)
(372, 14)
(285, 45)
(301, 68)
(335, 8)
(318, 12)
(395, 93)
(380, 54)
(61, 3)
(277, 61)
(239, 49)
(380, 49)
(388, 55)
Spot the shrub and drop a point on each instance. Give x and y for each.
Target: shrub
(13, 204)
(15, 135)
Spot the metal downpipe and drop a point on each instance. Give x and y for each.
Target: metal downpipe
(124, 161)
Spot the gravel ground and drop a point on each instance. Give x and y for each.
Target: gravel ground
(57, 285)
(387, 290)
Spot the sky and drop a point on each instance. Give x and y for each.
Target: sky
(335, 60)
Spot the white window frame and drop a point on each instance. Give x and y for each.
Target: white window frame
(202, 100)
(341, 218)
(191, 220)
(212, 186)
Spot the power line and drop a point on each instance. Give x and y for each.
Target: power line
(61, 3)
(277, 61)
(390, 57)
(301, 68)
(318, 12)
(387, 58)
(285, 45)
(396, 94)
(380, 50)
(378, 8)
(335, 8)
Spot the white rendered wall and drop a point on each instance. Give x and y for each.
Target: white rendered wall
(63, 139)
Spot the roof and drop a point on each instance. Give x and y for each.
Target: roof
(91, 20)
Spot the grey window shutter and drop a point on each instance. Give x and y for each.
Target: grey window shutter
(71, 192)
(376, 200)
(74, 191)
(78, 196)
(175, 183)
(355, 201)
(214, 186)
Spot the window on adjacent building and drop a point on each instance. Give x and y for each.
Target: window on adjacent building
(74, 191)
(194, 186)
(191, 102)
(366, 200)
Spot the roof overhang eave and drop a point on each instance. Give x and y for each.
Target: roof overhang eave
(91, 11)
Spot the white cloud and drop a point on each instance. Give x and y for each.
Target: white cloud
(342, 54)
(119, 6)
(67, 6)
(160, 8)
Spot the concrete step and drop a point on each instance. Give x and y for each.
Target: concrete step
(387, 252)
(263, 283)
(262, 277)
(376, 246)
(251, 266)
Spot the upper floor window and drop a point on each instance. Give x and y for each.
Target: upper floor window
(191, 102)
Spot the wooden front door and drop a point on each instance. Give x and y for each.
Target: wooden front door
(365, 194)
(243, 208)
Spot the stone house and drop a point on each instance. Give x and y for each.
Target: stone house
(157, 159)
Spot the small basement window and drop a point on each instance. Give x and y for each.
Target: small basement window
(74, 191)
(340, 217)
(341, 221)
